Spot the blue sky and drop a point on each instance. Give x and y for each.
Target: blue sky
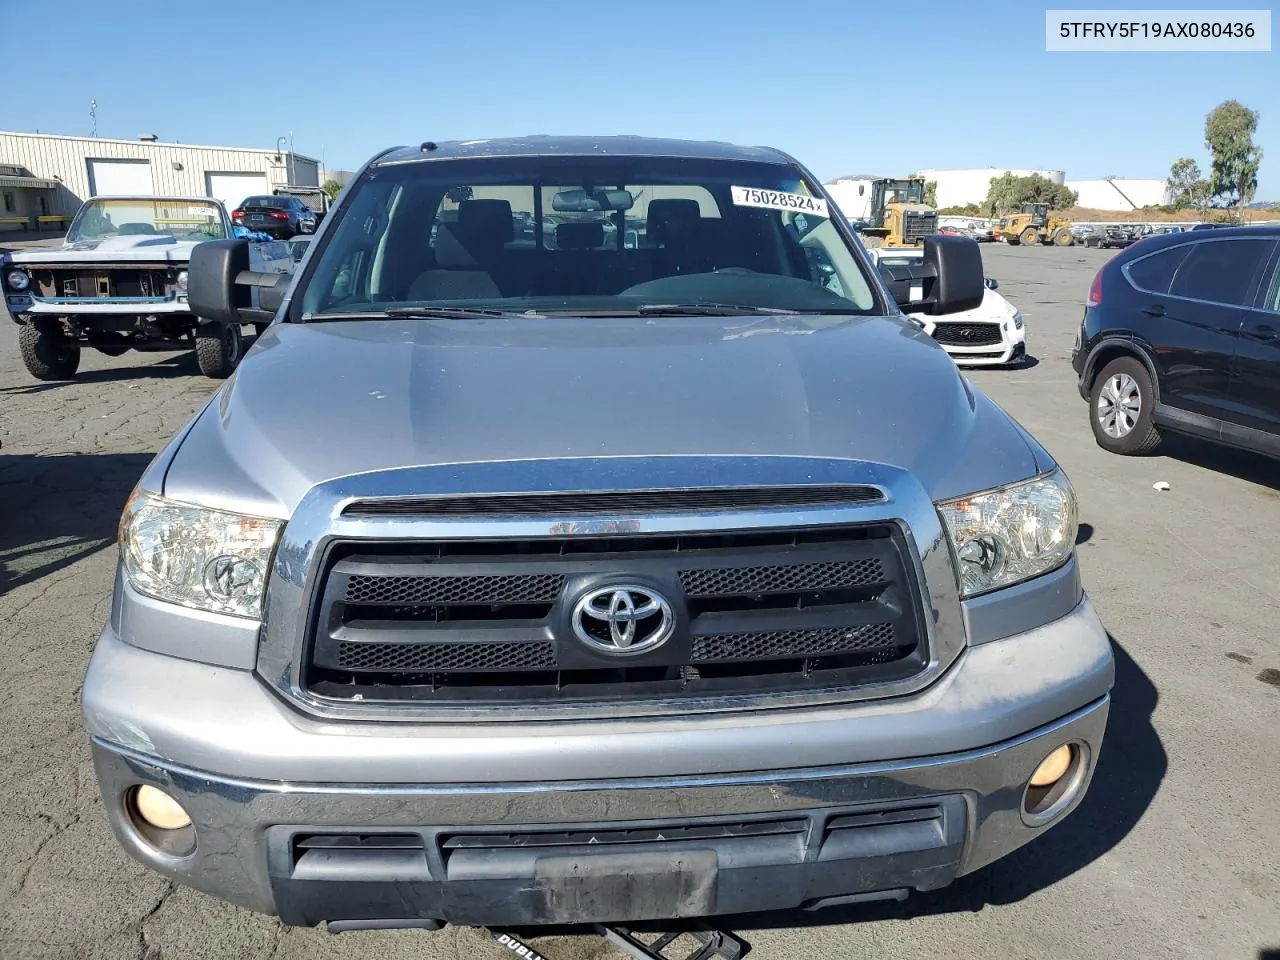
(845, 87)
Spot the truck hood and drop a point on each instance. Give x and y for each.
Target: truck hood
(148, 247)
(315, 402)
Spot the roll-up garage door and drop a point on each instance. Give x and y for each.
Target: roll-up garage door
(232, 188)
(120, 178)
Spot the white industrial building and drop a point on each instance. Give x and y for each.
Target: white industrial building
(48, 177)
(1117, 194)
(852, 194)
(959, 187)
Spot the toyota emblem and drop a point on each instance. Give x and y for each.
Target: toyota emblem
(623, 619)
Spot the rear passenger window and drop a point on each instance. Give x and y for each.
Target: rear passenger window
(1220, 271)
(1155, 273)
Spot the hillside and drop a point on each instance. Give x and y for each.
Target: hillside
(1158, 216)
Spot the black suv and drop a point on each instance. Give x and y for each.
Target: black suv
(281, 217)
(1182, 333)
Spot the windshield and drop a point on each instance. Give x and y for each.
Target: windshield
(278, 203)
(181, 219)
(594, 235)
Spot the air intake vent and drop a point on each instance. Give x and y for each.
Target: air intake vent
(617, 502)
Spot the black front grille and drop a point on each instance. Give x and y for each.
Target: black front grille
(728, 581)
(794, 643)
(449, 591)
(915, 226)
(956, 334)
(492, 621)
(445, 657)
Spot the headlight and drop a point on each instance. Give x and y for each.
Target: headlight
(1017, 319)
(201, 558)
(182, 280)
(17, 280)
(1004, 536)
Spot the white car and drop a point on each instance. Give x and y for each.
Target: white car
(990, 335)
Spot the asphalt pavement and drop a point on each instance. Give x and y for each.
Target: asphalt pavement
(1174, 853)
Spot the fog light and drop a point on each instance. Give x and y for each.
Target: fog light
(1052, 767)
(158, 809)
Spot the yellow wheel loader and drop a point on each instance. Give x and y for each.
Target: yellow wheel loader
(1035, 225)
(899, 216)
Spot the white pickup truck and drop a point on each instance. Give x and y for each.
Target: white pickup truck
(119, 282)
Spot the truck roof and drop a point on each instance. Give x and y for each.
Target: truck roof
(543, 145)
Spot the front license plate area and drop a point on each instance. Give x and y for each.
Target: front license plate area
(604, 887)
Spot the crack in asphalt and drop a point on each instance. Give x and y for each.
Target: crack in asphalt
(144, 948)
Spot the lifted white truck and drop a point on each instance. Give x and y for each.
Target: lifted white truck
(119, 282)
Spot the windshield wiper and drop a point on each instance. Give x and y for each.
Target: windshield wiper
(412, 313)
(707, 310)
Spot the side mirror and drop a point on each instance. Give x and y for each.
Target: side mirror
(212, 292)
(992, 283)
(220, 284)
(949, 278)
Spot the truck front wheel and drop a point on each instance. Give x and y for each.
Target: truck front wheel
(218, 348)
(47, 352)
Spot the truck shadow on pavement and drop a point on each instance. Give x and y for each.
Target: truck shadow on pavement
(1130, 769)
(56, 510)
(170, 365)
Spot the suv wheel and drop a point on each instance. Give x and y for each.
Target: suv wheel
(218, 348)
(47, 352)
(1121, 404)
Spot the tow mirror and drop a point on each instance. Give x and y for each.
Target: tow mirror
(220, 284)
(948, 279)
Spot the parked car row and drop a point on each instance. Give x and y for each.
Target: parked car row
(1120, 235)
(972, 231)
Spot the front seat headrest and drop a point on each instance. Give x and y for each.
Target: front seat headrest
(580, 236)
(667, 213)
(485, 221)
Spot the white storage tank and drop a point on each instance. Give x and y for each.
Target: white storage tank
(1120, 193)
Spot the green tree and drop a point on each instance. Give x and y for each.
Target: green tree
(1008, 192)
(1228, 133)
(1186, 185)
(332, 188)
(931, 193)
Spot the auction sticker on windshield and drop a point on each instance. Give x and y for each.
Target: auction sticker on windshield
(778, 200)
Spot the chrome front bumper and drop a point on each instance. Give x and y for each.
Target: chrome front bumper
(920, 824)
(255, 774)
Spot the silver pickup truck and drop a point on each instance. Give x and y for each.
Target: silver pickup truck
(665, 570)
